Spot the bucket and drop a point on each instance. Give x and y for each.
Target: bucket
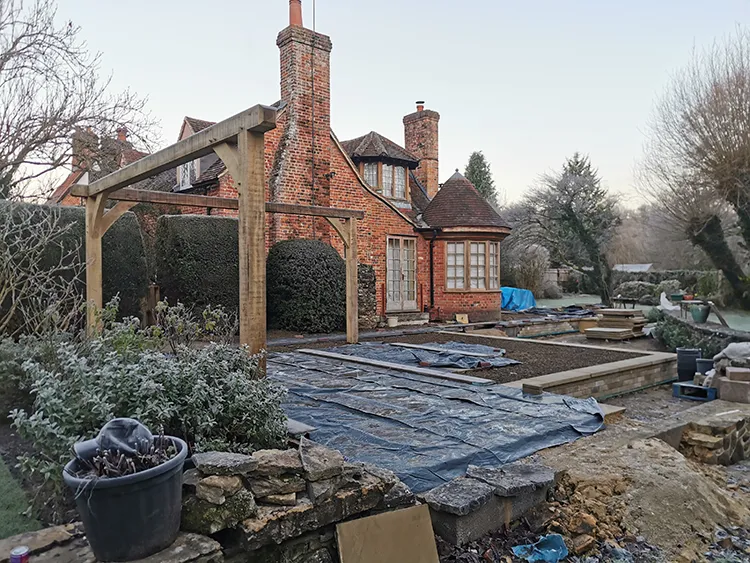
(131, 517)
(700, 313)
(686, 363)
(704, 365)
(392, 322)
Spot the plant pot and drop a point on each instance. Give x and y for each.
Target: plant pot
(700, 313)
(131, 517)
(704, 365)
(392, 322)
(676, 297)
(686, 366)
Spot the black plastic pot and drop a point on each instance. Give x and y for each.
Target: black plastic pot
(703, 366)
(686, 366)
(131, 517)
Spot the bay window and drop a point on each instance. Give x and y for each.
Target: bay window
(472, 266)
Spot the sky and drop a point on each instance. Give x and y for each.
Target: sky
(527, 82)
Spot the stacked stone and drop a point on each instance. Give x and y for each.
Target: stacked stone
(717, 441)
(487, 499)
(274, 496)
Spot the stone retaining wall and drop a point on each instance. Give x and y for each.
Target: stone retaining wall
(717, 441)
(606, 380)
(275, 506)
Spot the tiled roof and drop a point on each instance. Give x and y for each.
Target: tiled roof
(373, 145)
(211, 173)
(198, 124)
(418, 195)
(459, 204)
(62, 190)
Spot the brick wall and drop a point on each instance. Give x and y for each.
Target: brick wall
(421, 138)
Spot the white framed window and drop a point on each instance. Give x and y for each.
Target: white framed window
(494, 261)
(472, 265)
(477, 271)
(371, 174)
(454, 270)
(399, 182)
(186, 174)
(388, 180)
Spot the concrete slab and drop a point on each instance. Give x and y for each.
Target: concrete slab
(611, 412)
(734, 391)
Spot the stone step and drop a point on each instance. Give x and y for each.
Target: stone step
(734, 391)
(410, 319)
(738, 374)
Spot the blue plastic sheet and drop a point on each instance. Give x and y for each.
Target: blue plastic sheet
(426, 430)
(515, 299)
(549, 549)
(450, 358)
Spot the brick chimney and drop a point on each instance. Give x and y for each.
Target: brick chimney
(306, 139)
(85, 145)
(421, 138)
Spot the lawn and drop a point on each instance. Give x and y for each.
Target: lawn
(12, 503)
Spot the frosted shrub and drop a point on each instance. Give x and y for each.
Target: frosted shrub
(213, 397)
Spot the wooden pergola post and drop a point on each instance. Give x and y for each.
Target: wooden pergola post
(347, 230)
(239, 142)
(252, 227)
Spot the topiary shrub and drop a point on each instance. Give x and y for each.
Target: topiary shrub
(196, 260)
(306, 287)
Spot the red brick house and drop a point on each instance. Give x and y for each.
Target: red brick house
(435, 248)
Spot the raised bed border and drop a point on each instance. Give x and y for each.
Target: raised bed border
(601, 381)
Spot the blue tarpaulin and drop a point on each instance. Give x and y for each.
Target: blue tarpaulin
(515, 299)
(426, 430)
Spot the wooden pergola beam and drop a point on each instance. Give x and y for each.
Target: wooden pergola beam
(192, 200)
(257, 119)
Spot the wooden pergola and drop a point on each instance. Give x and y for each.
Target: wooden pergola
(239, 143)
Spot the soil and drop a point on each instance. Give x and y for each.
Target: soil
(536, 359)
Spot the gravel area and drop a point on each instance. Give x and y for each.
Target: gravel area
(536, 359)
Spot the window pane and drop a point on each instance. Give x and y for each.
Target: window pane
(477, 270)
(387, 180)
(494, 265)
(399, 180)
(371, 174)
(454, 273)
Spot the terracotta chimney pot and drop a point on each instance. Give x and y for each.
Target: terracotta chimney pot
(420, 106)
(295, 13)
(122, 134)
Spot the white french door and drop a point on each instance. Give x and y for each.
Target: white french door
(401, 274)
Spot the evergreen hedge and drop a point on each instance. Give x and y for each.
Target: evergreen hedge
(123, 256)
(306, 287)
(196, 259)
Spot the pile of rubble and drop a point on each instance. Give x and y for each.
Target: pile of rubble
(276, 496)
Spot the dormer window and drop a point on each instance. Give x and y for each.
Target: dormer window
(371, 174)
(387, 183)
(383, 165)
(186, 175)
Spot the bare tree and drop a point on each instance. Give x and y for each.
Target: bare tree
(696, 167)
(50, 86)
(574, 217)
(40, 270)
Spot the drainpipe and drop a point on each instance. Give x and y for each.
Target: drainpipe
(432, 269)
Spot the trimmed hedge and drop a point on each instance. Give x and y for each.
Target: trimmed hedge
(196, 258)
(123, 256)
(675, 333)
(306, 287)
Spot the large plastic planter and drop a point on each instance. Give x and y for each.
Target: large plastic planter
(131, 517)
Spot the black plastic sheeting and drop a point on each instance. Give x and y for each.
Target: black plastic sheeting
(424, 429)
(415, 357)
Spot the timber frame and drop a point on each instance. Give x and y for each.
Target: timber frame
(239, 143)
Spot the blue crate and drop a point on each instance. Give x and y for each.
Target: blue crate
(693, 392)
